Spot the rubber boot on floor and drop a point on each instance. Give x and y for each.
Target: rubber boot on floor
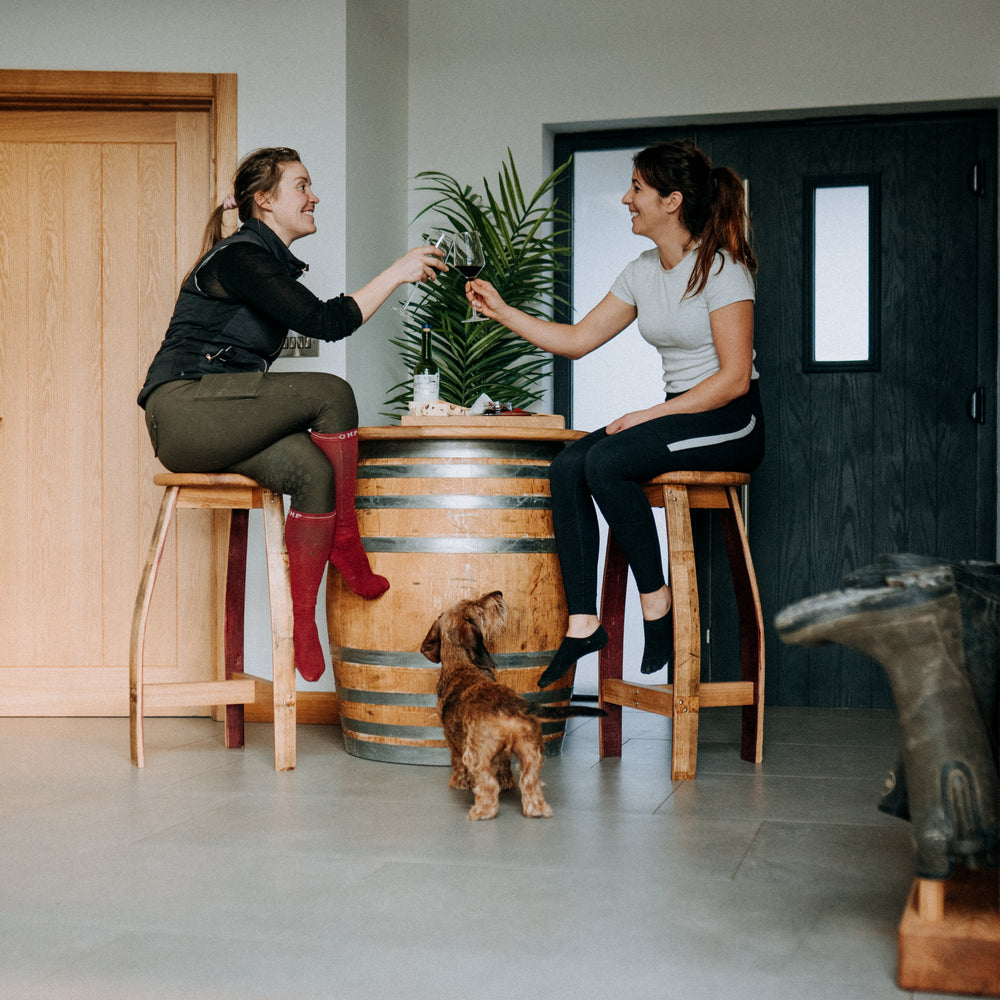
(914, 630)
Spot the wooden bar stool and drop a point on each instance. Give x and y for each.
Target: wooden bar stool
(238, 495)
(677, 493)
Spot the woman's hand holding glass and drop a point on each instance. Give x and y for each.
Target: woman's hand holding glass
(484, 298)
(468, 257)
(423, 264)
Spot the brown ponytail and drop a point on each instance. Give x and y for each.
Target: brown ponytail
(213, 231)
(713, 206)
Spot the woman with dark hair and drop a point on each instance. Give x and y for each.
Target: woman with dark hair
(212, 406)
(693, 296)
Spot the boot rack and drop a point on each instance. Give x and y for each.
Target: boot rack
(949, 937)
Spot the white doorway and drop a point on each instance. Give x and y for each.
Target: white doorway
(623, 375)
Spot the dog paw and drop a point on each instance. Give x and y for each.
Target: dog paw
(478, 812)
(544, 811)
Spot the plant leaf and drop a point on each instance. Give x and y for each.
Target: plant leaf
(521, 242)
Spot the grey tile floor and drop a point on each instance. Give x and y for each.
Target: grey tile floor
(209, 876)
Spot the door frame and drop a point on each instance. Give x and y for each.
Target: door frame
(88, 90)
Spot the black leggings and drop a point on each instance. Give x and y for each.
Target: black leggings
(257, 424)
(609, 469)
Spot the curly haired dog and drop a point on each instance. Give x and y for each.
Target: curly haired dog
(485, 721)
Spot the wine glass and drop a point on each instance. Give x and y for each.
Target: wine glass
(469, 260)
(442, 239)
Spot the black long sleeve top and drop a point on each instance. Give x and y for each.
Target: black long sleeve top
(236, 307)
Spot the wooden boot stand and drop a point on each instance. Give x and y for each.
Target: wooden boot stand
(949, 937)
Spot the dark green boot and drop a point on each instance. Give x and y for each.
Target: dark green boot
(978, 586)
(914, 630)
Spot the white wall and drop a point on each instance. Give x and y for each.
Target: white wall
(487, 75)
(289, 60)
(377, 203)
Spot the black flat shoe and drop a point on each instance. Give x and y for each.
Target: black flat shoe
(570, 650)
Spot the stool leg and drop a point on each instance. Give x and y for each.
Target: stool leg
(140, 616)
(282, 623)
(930, 899)
(609, 659)
(687, 633)
(236, 579)
(751, 619)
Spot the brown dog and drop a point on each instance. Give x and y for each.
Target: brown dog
(485, 721)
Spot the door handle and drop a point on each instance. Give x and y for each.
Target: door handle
(976, 405)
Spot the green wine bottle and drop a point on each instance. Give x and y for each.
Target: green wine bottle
(426, 374)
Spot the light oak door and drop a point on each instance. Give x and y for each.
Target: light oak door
(102, 213)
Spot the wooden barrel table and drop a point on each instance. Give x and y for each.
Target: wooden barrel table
(446, 513)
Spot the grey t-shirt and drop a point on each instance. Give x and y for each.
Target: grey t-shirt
(679, 327)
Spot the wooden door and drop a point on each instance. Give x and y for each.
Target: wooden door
(102, 214)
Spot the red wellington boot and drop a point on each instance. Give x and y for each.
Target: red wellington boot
(347, 553)
(308, 538)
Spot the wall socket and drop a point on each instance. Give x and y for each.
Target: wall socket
(300, 347)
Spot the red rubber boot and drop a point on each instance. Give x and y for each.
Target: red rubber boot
(347, 553)
(308, 538)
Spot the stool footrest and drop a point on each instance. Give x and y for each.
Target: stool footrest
(264, 686)
(656, 698)
(659, 698)
(176, 694)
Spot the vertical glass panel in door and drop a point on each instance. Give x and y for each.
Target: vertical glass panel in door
(841, 276)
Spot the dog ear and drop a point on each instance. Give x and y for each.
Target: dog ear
(474, 645)
(495, 622)
(431, 647)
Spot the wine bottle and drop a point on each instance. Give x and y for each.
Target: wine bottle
(426, 374)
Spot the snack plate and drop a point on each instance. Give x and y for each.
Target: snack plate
(479, 420)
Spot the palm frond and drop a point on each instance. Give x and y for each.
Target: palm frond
(521, 240)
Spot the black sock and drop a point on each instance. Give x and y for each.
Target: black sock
(659, 648)
(570, 650)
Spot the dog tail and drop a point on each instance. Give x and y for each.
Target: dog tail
(563, 711)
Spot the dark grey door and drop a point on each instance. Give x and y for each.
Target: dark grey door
(886, 457)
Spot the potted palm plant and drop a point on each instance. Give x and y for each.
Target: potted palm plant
(520, 237)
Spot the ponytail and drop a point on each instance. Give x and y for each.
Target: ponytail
(713, 205)
(213, 231)
(726, 228)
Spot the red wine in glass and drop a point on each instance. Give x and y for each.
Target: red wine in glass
(468, 259)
